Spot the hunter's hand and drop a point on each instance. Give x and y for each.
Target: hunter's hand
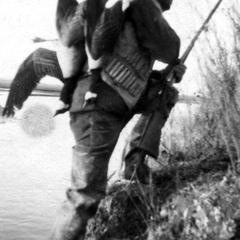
(178, 72)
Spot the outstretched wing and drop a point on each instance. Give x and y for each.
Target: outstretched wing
(21, 87)
(40, 63)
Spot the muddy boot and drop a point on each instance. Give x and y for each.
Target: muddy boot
(135, 167)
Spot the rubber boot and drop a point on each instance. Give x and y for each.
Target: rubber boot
(135, 167)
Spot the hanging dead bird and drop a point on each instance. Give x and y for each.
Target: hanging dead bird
(65, 65)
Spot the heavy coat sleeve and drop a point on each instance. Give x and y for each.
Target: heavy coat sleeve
(70, 21)
(154, 32)
(107, 30)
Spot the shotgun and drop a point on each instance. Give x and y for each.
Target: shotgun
(155, 116)
(170, 78)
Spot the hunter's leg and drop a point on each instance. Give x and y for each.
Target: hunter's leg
(96, 132)
(146, 134)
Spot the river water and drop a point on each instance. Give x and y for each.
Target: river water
(34, 174)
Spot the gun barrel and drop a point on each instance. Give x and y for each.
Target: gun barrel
(170, 78)
(192, 43)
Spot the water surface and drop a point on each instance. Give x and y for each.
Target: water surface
(34, 173)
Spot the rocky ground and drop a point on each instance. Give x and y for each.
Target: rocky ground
(186, 202)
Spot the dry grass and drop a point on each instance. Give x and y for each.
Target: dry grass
(221, 74)
(207, 208)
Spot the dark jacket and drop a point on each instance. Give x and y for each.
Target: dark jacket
(129, 43)
(142, 36)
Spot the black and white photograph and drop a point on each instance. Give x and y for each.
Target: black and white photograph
(119, 120)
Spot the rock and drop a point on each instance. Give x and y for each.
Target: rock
(121, 215)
